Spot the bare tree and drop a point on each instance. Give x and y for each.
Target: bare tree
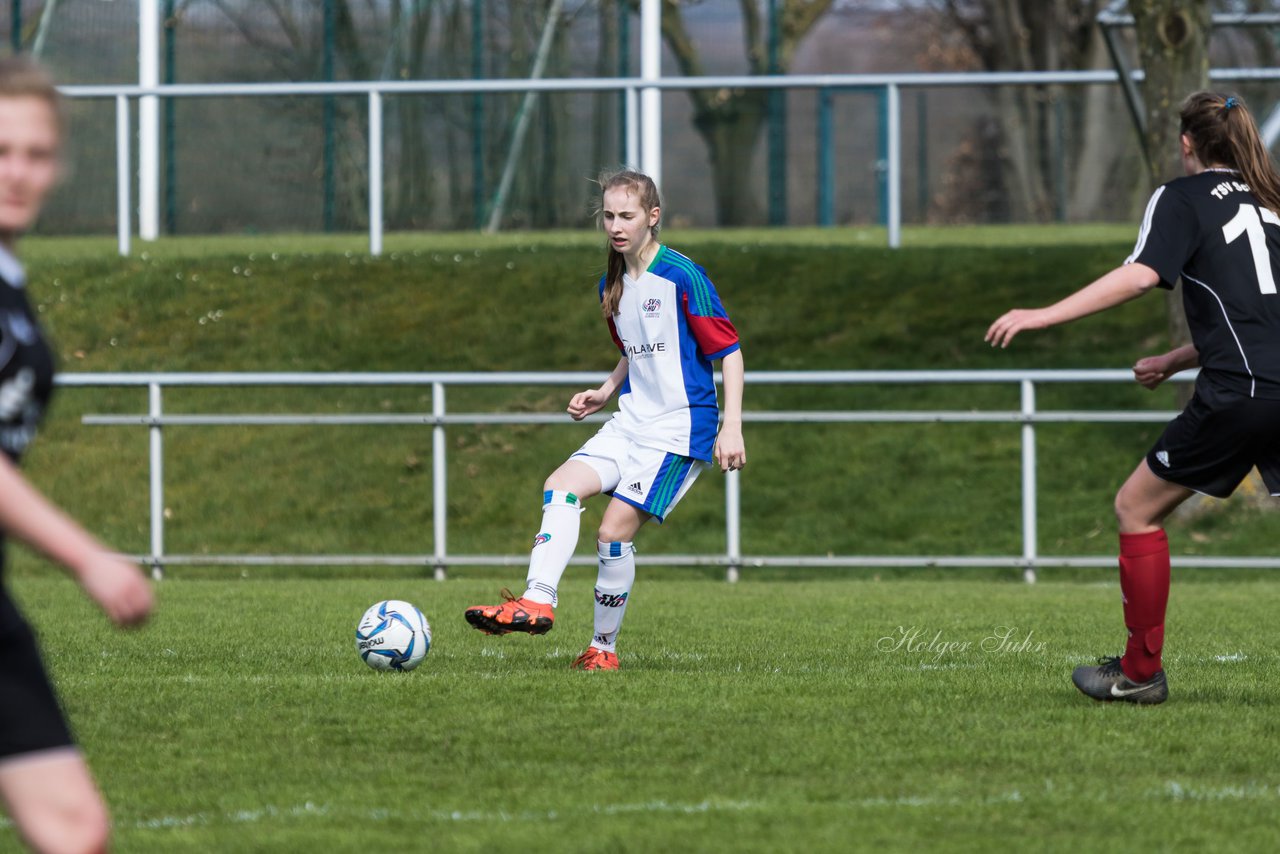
(1173, 46)
(370, 40)
(729, 121)
(1049, 134)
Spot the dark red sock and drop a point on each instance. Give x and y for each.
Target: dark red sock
(1144, 582)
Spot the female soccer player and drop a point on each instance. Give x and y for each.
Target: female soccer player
(44, 782)
(1218, 229)
(666, 319)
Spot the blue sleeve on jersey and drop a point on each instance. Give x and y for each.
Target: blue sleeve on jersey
(709, 322)
(703, 300)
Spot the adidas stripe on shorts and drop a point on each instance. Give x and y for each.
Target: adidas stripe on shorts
(651, 479)
(1217, 440)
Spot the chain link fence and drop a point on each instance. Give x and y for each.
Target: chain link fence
(299, 164)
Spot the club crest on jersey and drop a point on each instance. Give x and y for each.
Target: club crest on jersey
(544, 537)
(652, 306)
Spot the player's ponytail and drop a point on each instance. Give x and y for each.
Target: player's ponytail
(642, 186)
(1223, 132)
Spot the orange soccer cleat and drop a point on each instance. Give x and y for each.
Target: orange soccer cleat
(513, 615)
(596, 659)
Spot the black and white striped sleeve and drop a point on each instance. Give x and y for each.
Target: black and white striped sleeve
(1168, 235)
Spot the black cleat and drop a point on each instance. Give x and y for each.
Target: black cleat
(1107, 682)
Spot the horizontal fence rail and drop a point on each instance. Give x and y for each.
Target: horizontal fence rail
(375, 91)
(731, 558)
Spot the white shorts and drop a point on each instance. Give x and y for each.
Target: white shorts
(648, 478)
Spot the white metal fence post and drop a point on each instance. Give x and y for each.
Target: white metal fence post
(1029, 480)
(732, 525)
(156, 410)
(439, 481)
(895, 165)
(651, 97)
(149, 25)
(633, 127)
(124, 223)
(375, 173)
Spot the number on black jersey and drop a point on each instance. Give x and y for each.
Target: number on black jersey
(1247, 222)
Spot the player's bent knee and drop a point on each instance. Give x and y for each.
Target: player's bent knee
(1131, 516)
(1124, 512)
(91, 838)
(615, 533)
(84, 829)
(562, 484)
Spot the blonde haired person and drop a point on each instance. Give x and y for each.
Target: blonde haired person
(44, 782)
(1217, 228)
(669, 325)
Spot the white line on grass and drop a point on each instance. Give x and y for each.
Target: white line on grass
(249, 816)
(1171, 790)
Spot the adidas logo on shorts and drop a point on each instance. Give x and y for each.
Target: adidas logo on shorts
(1163, 457)
(635, 487)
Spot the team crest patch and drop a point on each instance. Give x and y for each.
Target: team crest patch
(652, 306)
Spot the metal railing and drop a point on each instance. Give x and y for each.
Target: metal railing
(1028, 415)
(632, 89)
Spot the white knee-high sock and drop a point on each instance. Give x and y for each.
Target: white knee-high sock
(553, 546)
(613, 589)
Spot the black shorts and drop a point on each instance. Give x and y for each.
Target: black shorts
(30, 718)
(1217, 440)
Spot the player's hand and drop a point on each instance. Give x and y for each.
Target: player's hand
(585, 403)
(1012, 322)
(1153, 370)
(119, 588)
(730, 452)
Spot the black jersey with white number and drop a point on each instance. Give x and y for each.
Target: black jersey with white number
(26, 383)
(1210, 230)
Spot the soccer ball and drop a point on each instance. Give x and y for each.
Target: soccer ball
(393, 635)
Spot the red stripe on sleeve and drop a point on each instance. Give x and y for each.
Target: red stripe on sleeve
(613, 331)
(713, 334)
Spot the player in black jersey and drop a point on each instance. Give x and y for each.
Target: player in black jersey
(1217, 228)
(44, 782)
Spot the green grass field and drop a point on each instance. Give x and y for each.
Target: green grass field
(764, 716)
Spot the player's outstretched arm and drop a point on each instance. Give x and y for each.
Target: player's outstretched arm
(1122, 284)
(592, 400)
(117, 585)
(1153, 370)
(730, 450)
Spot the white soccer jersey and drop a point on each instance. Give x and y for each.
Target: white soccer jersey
(671, 325)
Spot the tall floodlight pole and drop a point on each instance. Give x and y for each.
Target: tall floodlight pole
(148, 120)
(651, 97)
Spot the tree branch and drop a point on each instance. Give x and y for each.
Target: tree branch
(757, 51)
